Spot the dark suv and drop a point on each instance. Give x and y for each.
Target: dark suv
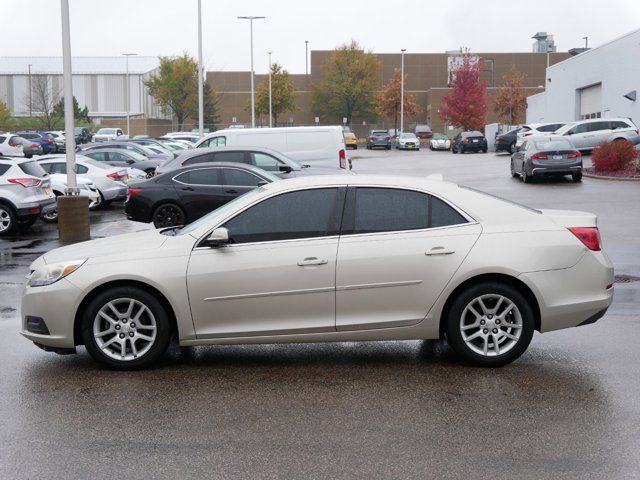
(506, 142)
(82, 134)
(378, 138)
(473, 141)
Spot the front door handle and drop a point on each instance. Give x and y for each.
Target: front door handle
(231, 191)
(439, 251)
(309, 261)
(188, 189)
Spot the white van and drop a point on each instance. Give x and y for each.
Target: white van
(315, 146)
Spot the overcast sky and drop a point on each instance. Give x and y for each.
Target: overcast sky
(168, 27)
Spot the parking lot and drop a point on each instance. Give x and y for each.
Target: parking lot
(567, 409)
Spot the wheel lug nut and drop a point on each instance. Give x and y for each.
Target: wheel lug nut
(486, 330)
(133, 325)
(124, 320)
(482, 322)
(122, 335)
(497, 322)
(131, 334)
(489, 317)
(117, 327)
(495, 330)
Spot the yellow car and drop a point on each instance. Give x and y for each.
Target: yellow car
(350, 140)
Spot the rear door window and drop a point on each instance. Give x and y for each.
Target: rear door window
(99, 156)
(237, 157)
(599, 126)
(241, 178)
(206, 158)
(618, 124)
(266, 162)
(3, 169)
(201, 176)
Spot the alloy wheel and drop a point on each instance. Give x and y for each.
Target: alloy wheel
(491, 325)
(124, 329)
(5, 220)
(168, 216)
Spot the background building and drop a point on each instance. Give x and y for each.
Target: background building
(601, 82)
(427, 78)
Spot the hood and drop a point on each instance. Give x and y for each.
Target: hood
(129, 243)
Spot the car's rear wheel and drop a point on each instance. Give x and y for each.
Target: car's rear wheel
(126, 328)
(168, 215)
(525, 177)
(8, 219)
(490, 324)
(512, 148)
(149, 172)
(577, 177)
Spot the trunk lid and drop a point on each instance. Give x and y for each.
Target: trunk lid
(571, 218)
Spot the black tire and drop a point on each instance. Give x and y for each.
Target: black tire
(525, 177)
(26, 223)
(168, 215)
(461, 150)
(514, 174)
(512, 148)
(454, 150)
(457, 316)
(150, 172)
(355, 147)
(577, 177)
(8, 220)
(162, 333)
(484, 150)
(388, 147)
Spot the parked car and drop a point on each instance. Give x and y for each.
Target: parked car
(11, 145)
(109, 134)
(83, 135)
(337, 258)
(315, 146)
(350, 139)
(59, 141)
(184, 195)
(407, 141)
(378, 138)
(264, 158)
(29, 147)
(119, 157)
(506, 142)
(587, 134)
(45, 141)
(547, 155)
(110, 181)
(536, 129)
(25, 193)
(185, 144)
(59, 185)
(184, 136)
(154, 145)
(131, 147)
(175, 147)
(472, 141)
(439, 141)
(423, 131)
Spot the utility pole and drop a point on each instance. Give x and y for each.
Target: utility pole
(306, 57)
(30, 108)
(401, 91)
(586, 42)
(126, 56)
(270, 95)
(200, 74)
(253, 100)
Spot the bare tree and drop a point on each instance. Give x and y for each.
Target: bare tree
(42, 100)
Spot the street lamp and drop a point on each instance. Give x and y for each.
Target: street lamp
(200, 72)
(402, 91)
(126, 56)
(253, 100)
(270, 101)
(306, 57)
(30, 108)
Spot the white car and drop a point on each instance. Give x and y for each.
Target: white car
(536, 129)
(407, 141)
(588, 134)
(85, 186)
(327, 258)
(440, 141)
(11, 145)
(110, 181)
(109, 134)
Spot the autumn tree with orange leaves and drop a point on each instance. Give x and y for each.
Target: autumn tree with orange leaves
(388, 100)
(466, 106)
(511, 100)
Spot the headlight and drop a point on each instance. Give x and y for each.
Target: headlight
(49, 274)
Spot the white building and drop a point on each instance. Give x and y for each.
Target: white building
(601, 82)
(98, 82)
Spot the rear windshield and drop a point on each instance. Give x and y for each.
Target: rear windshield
(33, 168)
(379, 132)
(471, 134)
(440, 136)
(107, 131)
(555, 144)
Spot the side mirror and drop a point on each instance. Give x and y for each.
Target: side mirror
(129, 161)
(286, 168)
(262, 183)
(217, 238)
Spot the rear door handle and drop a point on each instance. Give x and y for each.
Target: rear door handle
(309, 261)
(188, 189)
(231, 191)
(439, 251)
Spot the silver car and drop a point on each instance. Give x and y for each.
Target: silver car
(25, 194)
(588, 134)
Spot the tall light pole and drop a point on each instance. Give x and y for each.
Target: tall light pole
(200, 73)
(126, 56)
(253, 100)
(586, 42)
(402, 91)
(30, 91)
(270, 97)
(306, 57)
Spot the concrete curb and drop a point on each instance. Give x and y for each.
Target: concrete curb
(615, 179)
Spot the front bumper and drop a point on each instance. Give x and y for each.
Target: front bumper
(415, 146)
(56, 304)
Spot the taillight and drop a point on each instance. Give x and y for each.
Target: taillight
(115, 176)
(465, 140)
(11, 144)
(342, 156)
(527, 134)
(387, 138)
(574, 155)
(34, 145)
(589, 236)
(132, 192)
(26, 182)
(539, 156)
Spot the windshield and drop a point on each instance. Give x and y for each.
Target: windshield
(553, 144)
(107, 131)
(407, 136)
(423, 128)
(440, 136)
(221, 211)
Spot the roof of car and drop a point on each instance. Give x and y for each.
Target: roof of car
(199, 151)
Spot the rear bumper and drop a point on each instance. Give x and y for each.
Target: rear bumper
(36, 208)
(503, 146)
(549, 168)
(115, 193)
(573, 296)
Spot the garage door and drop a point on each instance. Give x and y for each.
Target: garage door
(591, 102)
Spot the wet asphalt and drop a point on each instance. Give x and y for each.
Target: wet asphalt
(568, 408)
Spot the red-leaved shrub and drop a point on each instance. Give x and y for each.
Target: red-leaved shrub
(613, 156)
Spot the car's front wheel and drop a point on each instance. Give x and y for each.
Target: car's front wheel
(8, 219)
(168, 215)
(490, 324)
(126, 328)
